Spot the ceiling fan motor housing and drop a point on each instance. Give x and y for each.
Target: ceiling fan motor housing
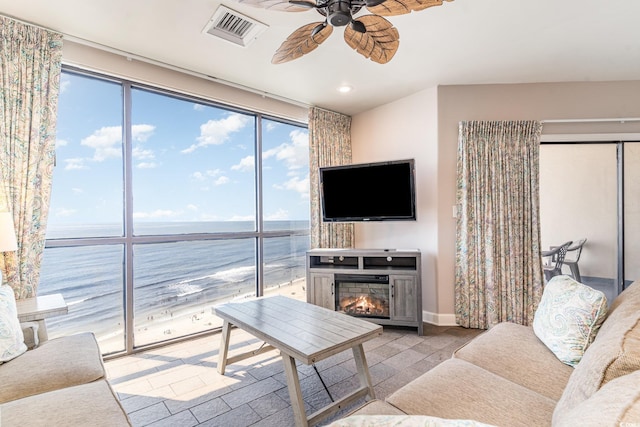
(339, 13)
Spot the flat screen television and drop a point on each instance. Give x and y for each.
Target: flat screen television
(382, 191)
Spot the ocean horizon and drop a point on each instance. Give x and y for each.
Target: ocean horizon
(171, 281)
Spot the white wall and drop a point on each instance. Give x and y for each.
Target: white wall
(405, 129)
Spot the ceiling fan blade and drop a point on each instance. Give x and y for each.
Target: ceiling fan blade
(304, 3)
(282, 5)
(400, 7)
(302, 41)
(372, 3)
(379, 43)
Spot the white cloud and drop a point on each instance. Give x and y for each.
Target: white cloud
(142, 132)
(216, 132)
(245, 165)
(61, 143)
(215, 174)
(159, 213)
(147, 165)
(106, 141)
(77, 190)
(297, 184)
(222, 180)
(192, 207)
(294, 153)
(272, 125)
(198, 176)
(198, 107)
(140, 153)
(75, 164)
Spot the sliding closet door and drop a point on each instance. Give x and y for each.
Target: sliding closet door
(578, 199)
(631, 212)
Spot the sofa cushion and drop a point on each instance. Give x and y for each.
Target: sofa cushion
(616, 404)
(92, 404)
(515, 353)
(568, 317)
(403, 421)
(11, 338)
(376, 407)
(615, 351)
(457, 389)
(55, 364)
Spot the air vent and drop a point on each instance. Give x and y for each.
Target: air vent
(234, 27)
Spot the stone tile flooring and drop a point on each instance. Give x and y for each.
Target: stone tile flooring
(178, 385)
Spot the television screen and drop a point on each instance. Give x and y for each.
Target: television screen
(368, 192)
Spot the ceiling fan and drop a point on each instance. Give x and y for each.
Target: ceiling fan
(370, 35)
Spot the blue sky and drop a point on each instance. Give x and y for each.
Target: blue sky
(191, 162)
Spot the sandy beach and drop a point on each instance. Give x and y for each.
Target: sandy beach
(164, 326)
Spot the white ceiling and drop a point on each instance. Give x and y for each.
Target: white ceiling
(460, 42)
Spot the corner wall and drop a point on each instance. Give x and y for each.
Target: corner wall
(405, 129)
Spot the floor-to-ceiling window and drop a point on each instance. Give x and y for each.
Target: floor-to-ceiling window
(164, 205)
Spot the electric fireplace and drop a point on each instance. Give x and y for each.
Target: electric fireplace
(377, 285)
(363, 295)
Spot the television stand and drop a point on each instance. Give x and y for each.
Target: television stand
(379, 285)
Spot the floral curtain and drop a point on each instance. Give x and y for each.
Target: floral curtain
(329, 145)
(498, 270)
(30, 65)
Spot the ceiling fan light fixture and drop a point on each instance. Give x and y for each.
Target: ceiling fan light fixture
(339, 13)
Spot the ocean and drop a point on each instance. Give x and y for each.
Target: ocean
(175, 285)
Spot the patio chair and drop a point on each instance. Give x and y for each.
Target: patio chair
(556, 258)
(573, 261)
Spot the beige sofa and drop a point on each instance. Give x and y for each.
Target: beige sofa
(508, 377)
(60, 383)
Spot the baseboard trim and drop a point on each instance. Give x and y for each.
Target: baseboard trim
(439, 319)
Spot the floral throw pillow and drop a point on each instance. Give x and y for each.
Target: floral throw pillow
(11, 338)
(568, 318)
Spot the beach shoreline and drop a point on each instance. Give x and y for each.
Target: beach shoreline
(164, 326)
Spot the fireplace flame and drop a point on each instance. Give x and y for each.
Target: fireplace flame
(364, 305)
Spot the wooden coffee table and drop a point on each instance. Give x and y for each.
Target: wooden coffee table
(303, 332)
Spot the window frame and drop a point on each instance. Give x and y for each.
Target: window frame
(129, 239)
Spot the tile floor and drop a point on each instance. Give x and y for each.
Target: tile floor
(178, 385)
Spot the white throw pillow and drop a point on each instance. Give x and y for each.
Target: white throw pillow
(569, 317)
(11, 337)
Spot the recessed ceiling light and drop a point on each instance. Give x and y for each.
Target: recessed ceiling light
(345, 89)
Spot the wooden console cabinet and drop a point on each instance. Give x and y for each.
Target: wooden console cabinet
(400, 268)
